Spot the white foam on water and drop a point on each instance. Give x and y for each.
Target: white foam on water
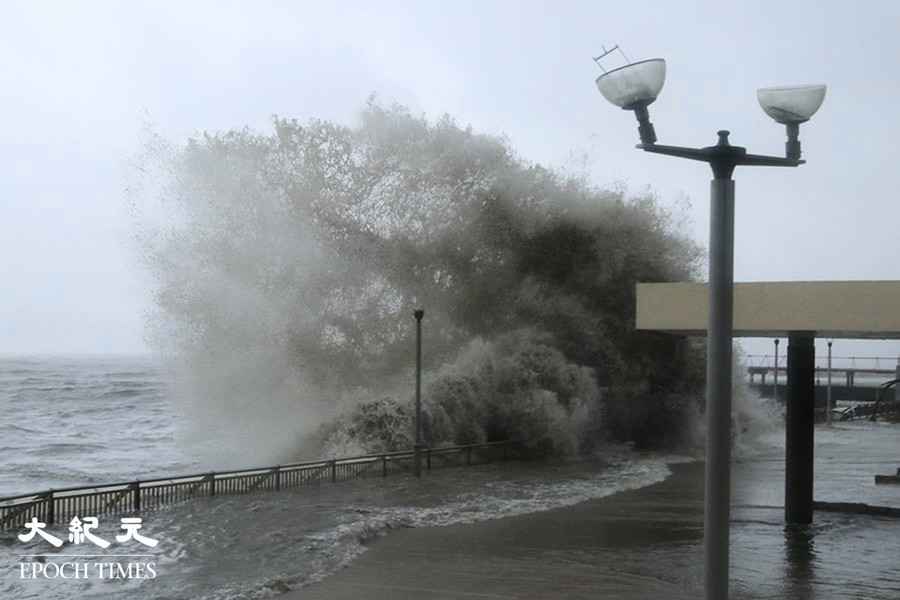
(336, 547)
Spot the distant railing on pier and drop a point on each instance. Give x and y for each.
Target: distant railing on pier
(60, 505)
(876, 361)
(874, 364)
(846, 367)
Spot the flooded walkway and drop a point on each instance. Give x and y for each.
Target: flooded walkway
(647, 543)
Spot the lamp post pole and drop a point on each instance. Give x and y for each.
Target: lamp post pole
(828, 407)
(897, 376)
(718, 377)
(722, 158)
(775, 389)
(634, 87)
(417, 461)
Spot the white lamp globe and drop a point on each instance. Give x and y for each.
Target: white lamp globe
(635, 84)
(792, 104)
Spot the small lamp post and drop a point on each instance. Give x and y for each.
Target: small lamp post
(634, 87)
(417, 449)
(828, 407)
(775, 389)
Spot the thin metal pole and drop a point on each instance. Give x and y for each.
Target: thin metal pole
(775, 391)
(418, 446)
(718, 389)
(828, 406)
(897, 388)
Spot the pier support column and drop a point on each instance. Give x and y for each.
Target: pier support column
(800, 428)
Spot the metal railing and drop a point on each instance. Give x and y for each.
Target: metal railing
(60, 505)
(866, 363)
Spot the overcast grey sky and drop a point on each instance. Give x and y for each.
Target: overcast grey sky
(78, 81)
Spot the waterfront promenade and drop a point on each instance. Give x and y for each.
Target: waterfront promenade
(584, 551)
(647, 542)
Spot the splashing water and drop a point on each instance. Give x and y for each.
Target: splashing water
(287, 267)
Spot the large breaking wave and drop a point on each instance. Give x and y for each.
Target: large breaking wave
(287, 265)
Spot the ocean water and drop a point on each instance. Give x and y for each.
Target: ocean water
(88, 420)
(68, 421)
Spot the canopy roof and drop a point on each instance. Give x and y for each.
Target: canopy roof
(833, 309)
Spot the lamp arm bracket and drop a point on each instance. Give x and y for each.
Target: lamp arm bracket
(679, 151)
(759, 160)
(717, 153)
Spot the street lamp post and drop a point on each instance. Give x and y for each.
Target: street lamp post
(775, 389)
(828, 408)
(417, 449)
(634, 87)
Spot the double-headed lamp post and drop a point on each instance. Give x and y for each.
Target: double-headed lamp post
(634, 87)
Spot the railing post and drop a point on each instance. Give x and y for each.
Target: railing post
(428, 459)
(51, 513)
(212, 483)
(384, 466)
(277, 477)
(505, 446)
(334, 471)
(136, 496)
(468, 455)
